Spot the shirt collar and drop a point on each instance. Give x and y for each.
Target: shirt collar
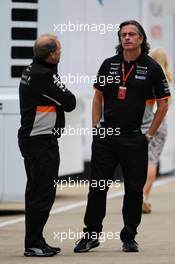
(132, 61)
(47, 64)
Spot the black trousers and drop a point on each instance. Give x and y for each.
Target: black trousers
(41, 160)
(131, 152)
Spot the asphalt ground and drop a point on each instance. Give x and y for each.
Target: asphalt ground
(156, 234)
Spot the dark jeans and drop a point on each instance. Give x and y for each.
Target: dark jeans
(41, 160)
(131, 152)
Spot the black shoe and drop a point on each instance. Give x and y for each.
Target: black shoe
(39, 252)
(86, 243)
(130, 246)
(56, 249)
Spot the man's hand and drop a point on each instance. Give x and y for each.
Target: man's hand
(148, 137)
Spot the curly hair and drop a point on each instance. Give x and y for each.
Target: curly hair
(145, 47)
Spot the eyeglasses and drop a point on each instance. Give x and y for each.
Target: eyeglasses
(130, 34)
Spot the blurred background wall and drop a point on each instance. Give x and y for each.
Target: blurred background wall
(83, 51)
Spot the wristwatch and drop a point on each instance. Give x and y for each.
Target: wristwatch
(148, 137)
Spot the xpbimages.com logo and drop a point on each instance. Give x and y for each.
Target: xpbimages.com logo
(86, 79)
(76, 235)
(101, 132)
(77, 183)
(81, 27)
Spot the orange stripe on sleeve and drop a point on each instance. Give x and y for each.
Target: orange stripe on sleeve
(46, 109)
(160, 99)
(150, 102)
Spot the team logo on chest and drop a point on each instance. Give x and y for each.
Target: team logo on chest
(141, 72)
(113, 74)
(114, 67)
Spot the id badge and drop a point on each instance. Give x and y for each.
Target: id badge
(121, 92)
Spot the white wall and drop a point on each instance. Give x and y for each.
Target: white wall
(82, 54)
(158, 18)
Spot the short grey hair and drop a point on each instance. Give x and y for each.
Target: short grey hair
(44, 45)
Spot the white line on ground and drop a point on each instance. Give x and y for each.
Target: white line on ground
(83, 203)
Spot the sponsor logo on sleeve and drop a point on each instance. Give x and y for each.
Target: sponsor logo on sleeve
(57, 82)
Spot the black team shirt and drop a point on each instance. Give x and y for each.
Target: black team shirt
(146, 81)
(43, 100)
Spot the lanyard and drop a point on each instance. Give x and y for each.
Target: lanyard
(125, 77)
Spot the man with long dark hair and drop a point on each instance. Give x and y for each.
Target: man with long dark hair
(131, 78)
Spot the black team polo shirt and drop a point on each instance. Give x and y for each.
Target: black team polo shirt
(146, 81)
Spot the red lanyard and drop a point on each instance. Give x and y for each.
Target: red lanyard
(125, 77)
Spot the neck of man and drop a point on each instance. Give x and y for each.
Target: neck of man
(131, 55)
(49, 60)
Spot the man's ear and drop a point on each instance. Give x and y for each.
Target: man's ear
(52, 55)
(49, 57)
